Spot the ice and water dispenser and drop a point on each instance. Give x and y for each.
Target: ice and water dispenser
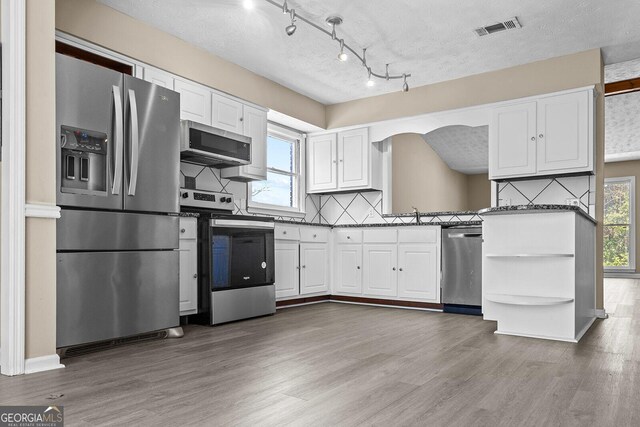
(84, 161)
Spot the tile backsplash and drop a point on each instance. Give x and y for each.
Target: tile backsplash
(549, 191)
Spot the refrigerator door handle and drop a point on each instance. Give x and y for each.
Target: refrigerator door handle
(118, 148)
(135, 143)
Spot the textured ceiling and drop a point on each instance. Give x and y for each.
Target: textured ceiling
(463, 148)
(433, 40)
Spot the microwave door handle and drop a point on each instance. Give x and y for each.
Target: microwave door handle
(119, 134)
(135, 143)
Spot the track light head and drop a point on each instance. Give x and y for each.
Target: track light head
(405, 86)
(370, 81)
(285, 7)
(342, 56)
(290, 29)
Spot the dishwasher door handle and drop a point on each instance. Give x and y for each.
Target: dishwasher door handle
(465, 235)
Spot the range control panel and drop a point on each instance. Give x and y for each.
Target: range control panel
(206, 199)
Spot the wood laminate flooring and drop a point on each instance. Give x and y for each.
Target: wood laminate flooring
(338, 364)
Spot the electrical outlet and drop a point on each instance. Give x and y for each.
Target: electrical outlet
(505, 202)
(371, 213)
(573, 202)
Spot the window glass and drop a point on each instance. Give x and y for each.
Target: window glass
(618, 226)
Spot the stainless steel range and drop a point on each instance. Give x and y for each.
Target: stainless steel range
(235, 262)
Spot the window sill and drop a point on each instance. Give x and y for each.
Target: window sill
(275, 212)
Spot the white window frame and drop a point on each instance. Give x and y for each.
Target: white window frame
(298, 138)
(632, 222)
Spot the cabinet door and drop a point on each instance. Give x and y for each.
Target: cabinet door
(348, 269)
(227, 114)
(564, 134)
(287, 269)
(353, 158)
(314, 268)
(255, 126)
(512, 141)
(188, 276)
(195, 102)
(418, 272)
(321, 163)
(158, 77)
(380, 270)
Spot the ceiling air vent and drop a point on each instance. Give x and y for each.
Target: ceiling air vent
(511, 24)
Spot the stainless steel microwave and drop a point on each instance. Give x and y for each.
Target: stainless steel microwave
(209, 146)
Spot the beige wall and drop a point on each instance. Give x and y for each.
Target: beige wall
(478, 192)
(630, 168)
(40, 161)
(422, 179)
(114, 30)
(551, 75)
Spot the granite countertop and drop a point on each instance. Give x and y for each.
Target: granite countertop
(523, 209)
(413, 224)
(443, 213)
(311, 224)
(186, 214)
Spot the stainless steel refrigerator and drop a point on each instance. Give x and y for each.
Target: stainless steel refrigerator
(118, 179)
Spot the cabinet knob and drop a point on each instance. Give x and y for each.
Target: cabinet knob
(195, 276)
(334, 161)
(533, 138)
(284, 232)
(182, 230)
(340, 160)
(358, 267)
(400, 269)
(304, 266)
(541, 136)
(242, 119)
(315, 235)
(348, 237)
(394, 269)
(297, 267)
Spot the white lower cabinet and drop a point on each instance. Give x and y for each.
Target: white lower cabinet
(314, 268)
(287, 269)
(418, 267)
(348, 269)
(188, 247)
(380, 270)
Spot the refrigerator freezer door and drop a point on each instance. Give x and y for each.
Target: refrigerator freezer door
(88, 97)
(152, 148)
(79, 230)
(107, 295)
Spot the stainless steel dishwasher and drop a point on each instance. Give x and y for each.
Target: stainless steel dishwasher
(462, 270)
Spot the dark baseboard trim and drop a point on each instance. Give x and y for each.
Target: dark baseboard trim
(359, 300)
(298, 301)
(390, 302)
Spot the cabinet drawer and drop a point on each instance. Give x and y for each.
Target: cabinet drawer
(188, 228)
(284, 232)
(313, 234)
(418, 235)
(381, 235)
(348, 235)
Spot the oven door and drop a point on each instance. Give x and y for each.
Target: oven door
(241, 254)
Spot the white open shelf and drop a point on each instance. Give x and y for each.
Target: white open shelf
(527, 300)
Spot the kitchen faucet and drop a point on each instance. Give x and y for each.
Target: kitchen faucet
(415, 211)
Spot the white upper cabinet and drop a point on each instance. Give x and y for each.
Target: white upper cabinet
(255, 126)
(353, 158)
(512, 137)
(343, 161)
(322, 173)
(195, 102)
(159, 77)
(227, 114)
(550, 135)
(564, 133)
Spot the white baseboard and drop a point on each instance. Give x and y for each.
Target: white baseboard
(621, 275)
(40, 210)
(42, 363)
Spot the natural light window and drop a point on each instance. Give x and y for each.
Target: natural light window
(283, 189)
(619, 227)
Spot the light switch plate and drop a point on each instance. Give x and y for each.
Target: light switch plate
(573, 202)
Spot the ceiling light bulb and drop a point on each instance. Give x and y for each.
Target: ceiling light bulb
(248, 4)
(342, 56)
(290, 29)
(285, 7)
(370, 81)
(405, 86)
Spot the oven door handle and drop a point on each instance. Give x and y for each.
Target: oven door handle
(240, 223)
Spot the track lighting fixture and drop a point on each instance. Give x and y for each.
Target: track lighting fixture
(335, 21)
(342, 56)
(292, 28)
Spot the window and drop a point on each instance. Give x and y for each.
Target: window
(619, 227)
(283, 190)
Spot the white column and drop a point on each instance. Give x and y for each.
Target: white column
(12, 263)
